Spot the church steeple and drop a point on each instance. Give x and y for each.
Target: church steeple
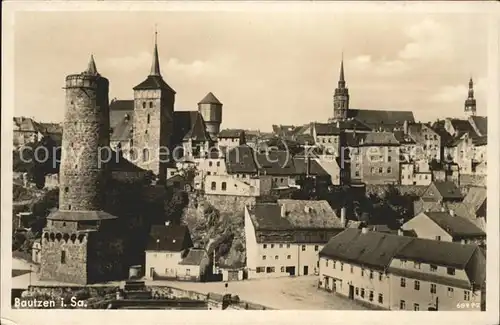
(470, 102)
(341, 96)
(155, 66)
(341, 77)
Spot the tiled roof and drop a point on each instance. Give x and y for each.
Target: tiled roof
(448, 190)
(315, 169)
(378, 249)
(120, 163)
(480, 141)
(454, 225)
(230, 133)
(446, 138)
(381, 118)
(481, 124)
(299, 214)
(74, 215)
(326, 129)
(275, 163)
(402, 138)
(49, 128)
(122, 129)
(154, 82)
(194, 257)
(174, 238)
(460, 256)
(475, 198)
(189, 125)
(380, 138)
(118, 109)
(373, 248)
(210, 99)
(462, 126)
(241, 159)
(353, 139)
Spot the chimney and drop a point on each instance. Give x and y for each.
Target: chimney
(364, 230)
(127, 117)
(400, 232)
(167, 223)
(283, 211)
(343, 220)
(405, 127)
(452, 213)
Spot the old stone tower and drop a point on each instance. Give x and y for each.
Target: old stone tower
(470, 102)
(153, 121)
(68, 241)
(341, 97)
(210, 109)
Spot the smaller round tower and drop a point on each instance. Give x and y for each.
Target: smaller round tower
(210, 109)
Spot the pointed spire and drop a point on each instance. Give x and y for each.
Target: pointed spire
(155, 66)
(342, 68)
(471, 88)
(341, 83)
(91, 69)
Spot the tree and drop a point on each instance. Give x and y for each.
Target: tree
(41, 209)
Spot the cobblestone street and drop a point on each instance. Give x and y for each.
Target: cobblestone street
(278, 293)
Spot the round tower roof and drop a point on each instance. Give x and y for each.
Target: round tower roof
(210, 99)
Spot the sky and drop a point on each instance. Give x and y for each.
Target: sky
(265, 67)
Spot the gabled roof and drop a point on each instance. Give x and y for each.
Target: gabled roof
(402, 138)
(315, 168)
(241, 159)
(122, 128)
(381, 118)
(230, 133)
(461, 126)
(476, 197)
(454, 225)
(118, 109)
(173, 238)
(374, 249)
(380, 138)
(194, 257)
(480, 124)
(354, 139)
(448, 190)
(326, 129)
(377, 250)
(299, 214)
(210, 99)
(154, 82)
(275, 163)
(189, 125)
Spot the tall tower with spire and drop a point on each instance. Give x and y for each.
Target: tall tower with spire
(72, 232)
(341, 97)
(153, 120)
(470, 102)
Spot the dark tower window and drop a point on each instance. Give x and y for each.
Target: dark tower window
(150, 104)
(71, 102)
(223, 186)
(144, 105)
(66, 189)
(69, 207)
(63, 257)
(149, 118)
(145, 154)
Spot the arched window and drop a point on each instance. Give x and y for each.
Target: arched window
(149, 118)
(145, 154)
(143, 104)
(224, 186)
(150, 104)
(214, 186)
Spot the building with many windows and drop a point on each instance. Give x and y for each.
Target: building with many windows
(397, 272)
(284, 238)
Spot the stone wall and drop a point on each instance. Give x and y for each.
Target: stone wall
(74, 270)
(229, 203)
